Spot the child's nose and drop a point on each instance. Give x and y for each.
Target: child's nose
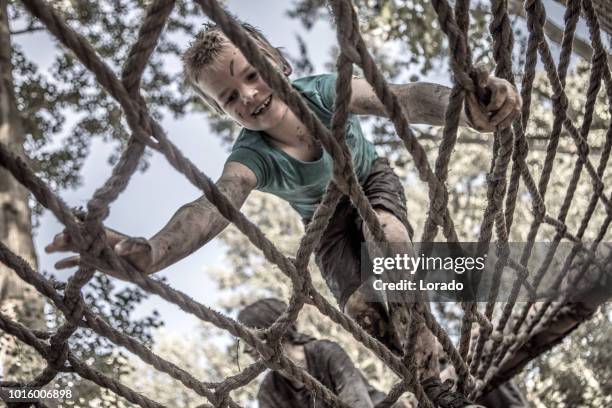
(248, 96)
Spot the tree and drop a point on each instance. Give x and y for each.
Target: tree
(115, 306)
(577, 373)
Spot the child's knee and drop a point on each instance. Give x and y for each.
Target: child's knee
(363, 312)
(372, 317)
(395, 230)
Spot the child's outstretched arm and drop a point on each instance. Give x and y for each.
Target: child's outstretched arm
(192, 226)
(425, 103)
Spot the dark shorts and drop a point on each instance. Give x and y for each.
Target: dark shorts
(338, 255)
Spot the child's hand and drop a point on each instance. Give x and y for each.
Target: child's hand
(502, 105)
(137, 251)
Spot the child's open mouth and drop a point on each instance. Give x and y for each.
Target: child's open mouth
(263, 107)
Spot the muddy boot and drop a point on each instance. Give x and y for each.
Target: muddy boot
(441, 394)
(373, 318)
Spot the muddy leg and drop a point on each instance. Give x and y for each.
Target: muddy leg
(373, 318)
(426, 355)
(426, 352)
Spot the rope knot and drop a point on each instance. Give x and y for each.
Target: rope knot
(93, 229)
(583, 149)
(598, 186)
(272, 359)
(562, 229)
(341, 181)
(503, 250)
(97, 209)
(493, 178)
(465, 80)
(439, 199)
(57, 355)
(223, 399)
(528, 287)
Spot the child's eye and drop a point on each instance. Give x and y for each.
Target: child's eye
(231, 97)
(252, 76)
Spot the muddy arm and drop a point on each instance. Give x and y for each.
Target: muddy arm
(198, 222)
(426, 103)
(423, 102)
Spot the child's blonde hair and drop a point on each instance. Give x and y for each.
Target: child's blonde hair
(207, 46)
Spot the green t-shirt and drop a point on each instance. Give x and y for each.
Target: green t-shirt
(302, 183)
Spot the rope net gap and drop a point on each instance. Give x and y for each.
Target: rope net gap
(476, 360)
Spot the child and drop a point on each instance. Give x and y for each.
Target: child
(275, 153)
(323, 359)
(329, 364)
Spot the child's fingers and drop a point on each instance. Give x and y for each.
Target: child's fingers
(114, 237)
(69, 262)
(499, 94)
(479, 118)
(509, 108)
(509, 119)
(132, 246)
(61, 242)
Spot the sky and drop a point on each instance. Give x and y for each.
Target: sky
(153, 196)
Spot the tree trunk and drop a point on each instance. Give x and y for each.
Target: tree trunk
(17, 299)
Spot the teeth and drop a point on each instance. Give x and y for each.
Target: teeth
(262, 106)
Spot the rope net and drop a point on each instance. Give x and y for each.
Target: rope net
(476, 366)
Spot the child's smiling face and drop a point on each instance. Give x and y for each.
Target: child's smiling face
(241, 92)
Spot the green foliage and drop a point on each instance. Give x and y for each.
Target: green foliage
(411, 28)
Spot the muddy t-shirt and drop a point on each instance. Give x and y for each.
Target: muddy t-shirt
(331, 366)
(302, 183)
